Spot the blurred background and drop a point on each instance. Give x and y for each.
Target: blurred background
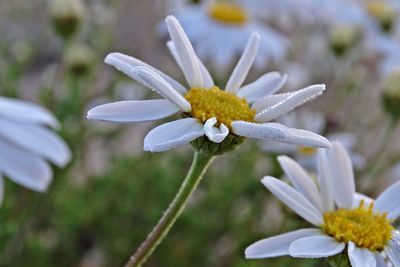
(100, 207)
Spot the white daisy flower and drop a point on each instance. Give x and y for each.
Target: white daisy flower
(219, 31)
(26, 144)
(343, 218)
(207, 110)
(313, 121)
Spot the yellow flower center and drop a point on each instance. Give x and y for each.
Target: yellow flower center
(225, 106)
(378, 9)
(306, 150)
(228, 13)
(361, 225)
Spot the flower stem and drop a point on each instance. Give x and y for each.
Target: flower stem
(379, 160)
(200, 163)
(340, 260)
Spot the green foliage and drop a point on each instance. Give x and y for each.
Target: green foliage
(113, 213)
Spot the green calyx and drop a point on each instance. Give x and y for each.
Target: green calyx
(204, 145)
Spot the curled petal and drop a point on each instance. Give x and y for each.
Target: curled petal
(215, 134)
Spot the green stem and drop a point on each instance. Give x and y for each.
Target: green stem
(379, 161)
(340, 260)
(200, 163)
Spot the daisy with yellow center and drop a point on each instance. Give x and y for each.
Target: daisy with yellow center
(207, 110)
(343, 218)
(219, 30)
(229, 13)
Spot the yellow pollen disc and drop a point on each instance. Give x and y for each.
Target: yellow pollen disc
(379, 9)
(306, 150)
(225, 106)
(229, 13)
(361, 225)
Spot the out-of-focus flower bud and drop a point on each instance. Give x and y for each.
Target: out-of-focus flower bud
(78, 58)
(67, 16)
(342, 38)
(383, 13)
(391, 94)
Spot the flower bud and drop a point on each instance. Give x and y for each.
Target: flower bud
(342, 38)
(66, 16)
(391, 94)
(383, 13)
(78, 58)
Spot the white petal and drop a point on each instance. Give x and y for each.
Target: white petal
(125, 64)
(267, 84)
(173, 134)
(315, 247)
(277, 245)
(243, 66)
(206, 77)
(26, 112)
(269, 101)
(216, 135)
(133, 111)
(292, 101)
(393, 252)
(343, 176)
(325, 180)
(37, 139)
(305, 138)
(357, 200)
(300, 180)
(394, 214)
(389, 200)
(279, 133)
(380, 262)
(185, 53)
(265, 131)
(360, 257)
(1, 189)
(293, 199)
(24, 167)
(159, 85)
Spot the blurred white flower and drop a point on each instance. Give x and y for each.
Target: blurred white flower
(207, 110)
(313, 121)
(26, 144)
(342, 217)
(219, 31)
(384, 37)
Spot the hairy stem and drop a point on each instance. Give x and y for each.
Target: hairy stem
(200, 163)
